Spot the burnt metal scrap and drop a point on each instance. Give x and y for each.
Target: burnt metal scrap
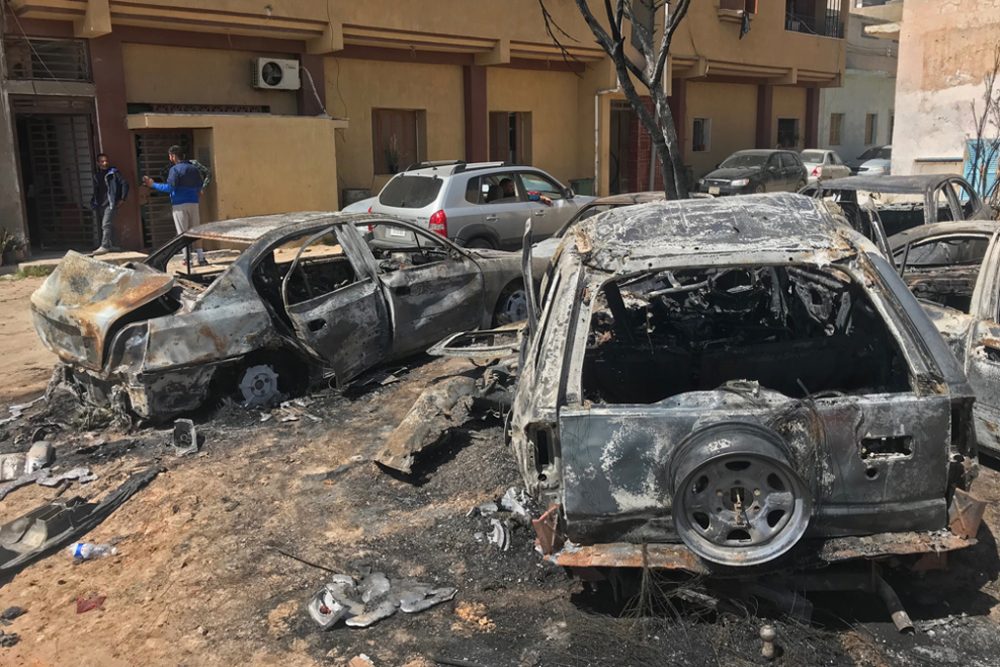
(731, 387)
(293, 299)
(360, 603)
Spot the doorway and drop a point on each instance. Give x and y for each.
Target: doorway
(621, 153)
(56, 160)
(151, 158)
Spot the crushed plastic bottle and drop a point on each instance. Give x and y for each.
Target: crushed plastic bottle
(87, 551)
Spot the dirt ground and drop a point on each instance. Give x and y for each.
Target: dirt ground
(205, 573)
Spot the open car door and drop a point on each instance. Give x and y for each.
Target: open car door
(336, 306)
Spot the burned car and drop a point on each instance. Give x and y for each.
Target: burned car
(284, 298)
(716, 385)
(953, 268)
(902, 202)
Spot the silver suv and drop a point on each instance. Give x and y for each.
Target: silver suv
(479, 205)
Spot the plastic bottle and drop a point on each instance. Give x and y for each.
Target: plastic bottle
(88, 551)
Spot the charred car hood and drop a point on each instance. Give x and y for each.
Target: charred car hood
(76, 307)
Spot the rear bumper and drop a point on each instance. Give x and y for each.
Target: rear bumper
(156, 396)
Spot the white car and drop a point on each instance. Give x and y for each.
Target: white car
(360, 206)
(822, 165)
(875, 161)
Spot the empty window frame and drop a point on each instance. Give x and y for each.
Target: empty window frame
(871, 128)
(399, 139)
(510, 137)
(836, 128)
(701, 136)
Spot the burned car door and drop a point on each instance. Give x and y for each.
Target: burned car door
(335, 304)
(982, 359)
(434, 288)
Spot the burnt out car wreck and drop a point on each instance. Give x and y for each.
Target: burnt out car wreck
(737, 386)
(286, 301)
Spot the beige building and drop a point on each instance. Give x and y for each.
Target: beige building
(945, 49)
(380, 84)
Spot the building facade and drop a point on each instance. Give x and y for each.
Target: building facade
(861, 113)
(945, 51)
(382, 84)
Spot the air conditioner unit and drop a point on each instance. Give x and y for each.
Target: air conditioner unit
(275, 74)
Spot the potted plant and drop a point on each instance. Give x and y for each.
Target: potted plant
(11, 247)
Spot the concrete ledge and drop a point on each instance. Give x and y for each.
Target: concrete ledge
(45, 265)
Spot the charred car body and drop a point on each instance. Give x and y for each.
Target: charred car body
(287, 296)
(953, 268)
(744, 382)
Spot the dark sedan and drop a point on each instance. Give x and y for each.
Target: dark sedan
(752, 171)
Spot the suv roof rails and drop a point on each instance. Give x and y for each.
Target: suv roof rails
(430, 164)
(483, 165)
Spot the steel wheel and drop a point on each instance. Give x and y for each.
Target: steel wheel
(259, 386)
(512, 306)
(738, 502)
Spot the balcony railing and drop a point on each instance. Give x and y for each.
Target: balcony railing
(798, 18)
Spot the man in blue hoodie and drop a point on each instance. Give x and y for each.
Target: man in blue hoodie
(184, 183)
(110, 190)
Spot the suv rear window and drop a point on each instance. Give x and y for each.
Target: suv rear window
(410, 191)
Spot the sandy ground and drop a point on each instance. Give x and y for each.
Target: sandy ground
(24, 364)
(200, 577)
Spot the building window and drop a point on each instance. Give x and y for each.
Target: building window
(788, 132)
(55, 59)
(871, 128)
(399, 139)
(701, 137)
(510, 137)
(836, 126)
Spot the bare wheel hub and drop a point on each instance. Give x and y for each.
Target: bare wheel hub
(737, 501)
(259, 386)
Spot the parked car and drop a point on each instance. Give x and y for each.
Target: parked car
(954, 269)
(875, 161)
(479, 205)
(901, 202)
(822, 165)
(288, 296)
(683, 401)
(756, 171)
(361, 206)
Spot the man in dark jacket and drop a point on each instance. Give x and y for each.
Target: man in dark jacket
(110, 190)
(184, 184)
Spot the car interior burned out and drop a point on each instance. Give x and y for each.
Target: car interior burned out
(660, 334)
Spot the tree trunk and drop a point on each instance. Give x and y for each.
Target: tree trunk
(671, 158)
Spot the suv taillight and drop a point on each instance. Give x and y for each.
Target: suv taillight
(817, 171)
(439, 223)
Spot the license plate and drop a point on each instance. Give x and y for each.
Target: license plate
(396, 231)
(713, 190)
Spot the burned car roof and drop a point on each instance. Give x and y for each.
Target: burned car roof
(250, 230)
(775, 222)
(889, 184)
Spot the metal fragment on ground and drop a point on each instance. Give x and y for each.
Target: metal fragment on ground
(82, 475)
(363, 602)
(499, 534)
(441, 406)
(185, 437)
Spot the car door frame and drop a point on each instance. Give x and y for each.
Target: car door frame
(356, 305)
(982, 348)
(407, 333)
(773, 180)
(504, 220)
(552, 217)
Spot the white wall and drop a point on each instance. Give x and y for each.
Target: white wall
(862, 93)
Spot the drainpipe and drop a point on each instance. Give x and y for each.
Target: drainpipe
(597, 131)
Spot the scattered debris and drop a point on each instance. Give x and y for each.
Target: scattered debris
(364, 602)
(24, 480)
(473, 615)
(361, 660)
(82, 475)
(81, 551)
(17, 411)
(185, 437)
(500, 534)
(89, 603)
(516, 501)
(767, 635)
(10, 613)
(11, 466)
(8, 639)
(291, 411)
(39, 456)
(441, 406)
(54, 524)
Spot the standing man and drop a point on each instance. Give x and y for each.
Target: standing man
(110, 190)
(184, 184)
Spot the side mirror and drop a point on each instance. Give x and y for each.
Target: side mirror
(568, 193)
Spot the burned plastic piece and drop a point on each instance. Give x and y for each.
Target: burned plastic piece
(499, 534)
(53, 525)
(82, 475)
(39, 456)
(965, 514)
(185, 437)
(364, 602)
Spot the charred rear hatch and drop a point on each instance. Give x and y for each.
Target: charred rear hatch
(77, 306)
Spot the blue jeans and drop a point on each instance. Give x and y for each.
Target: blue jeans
(106, 214)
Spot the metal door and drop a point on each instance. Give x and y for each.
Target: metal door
(151, 158)
(57, 163)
